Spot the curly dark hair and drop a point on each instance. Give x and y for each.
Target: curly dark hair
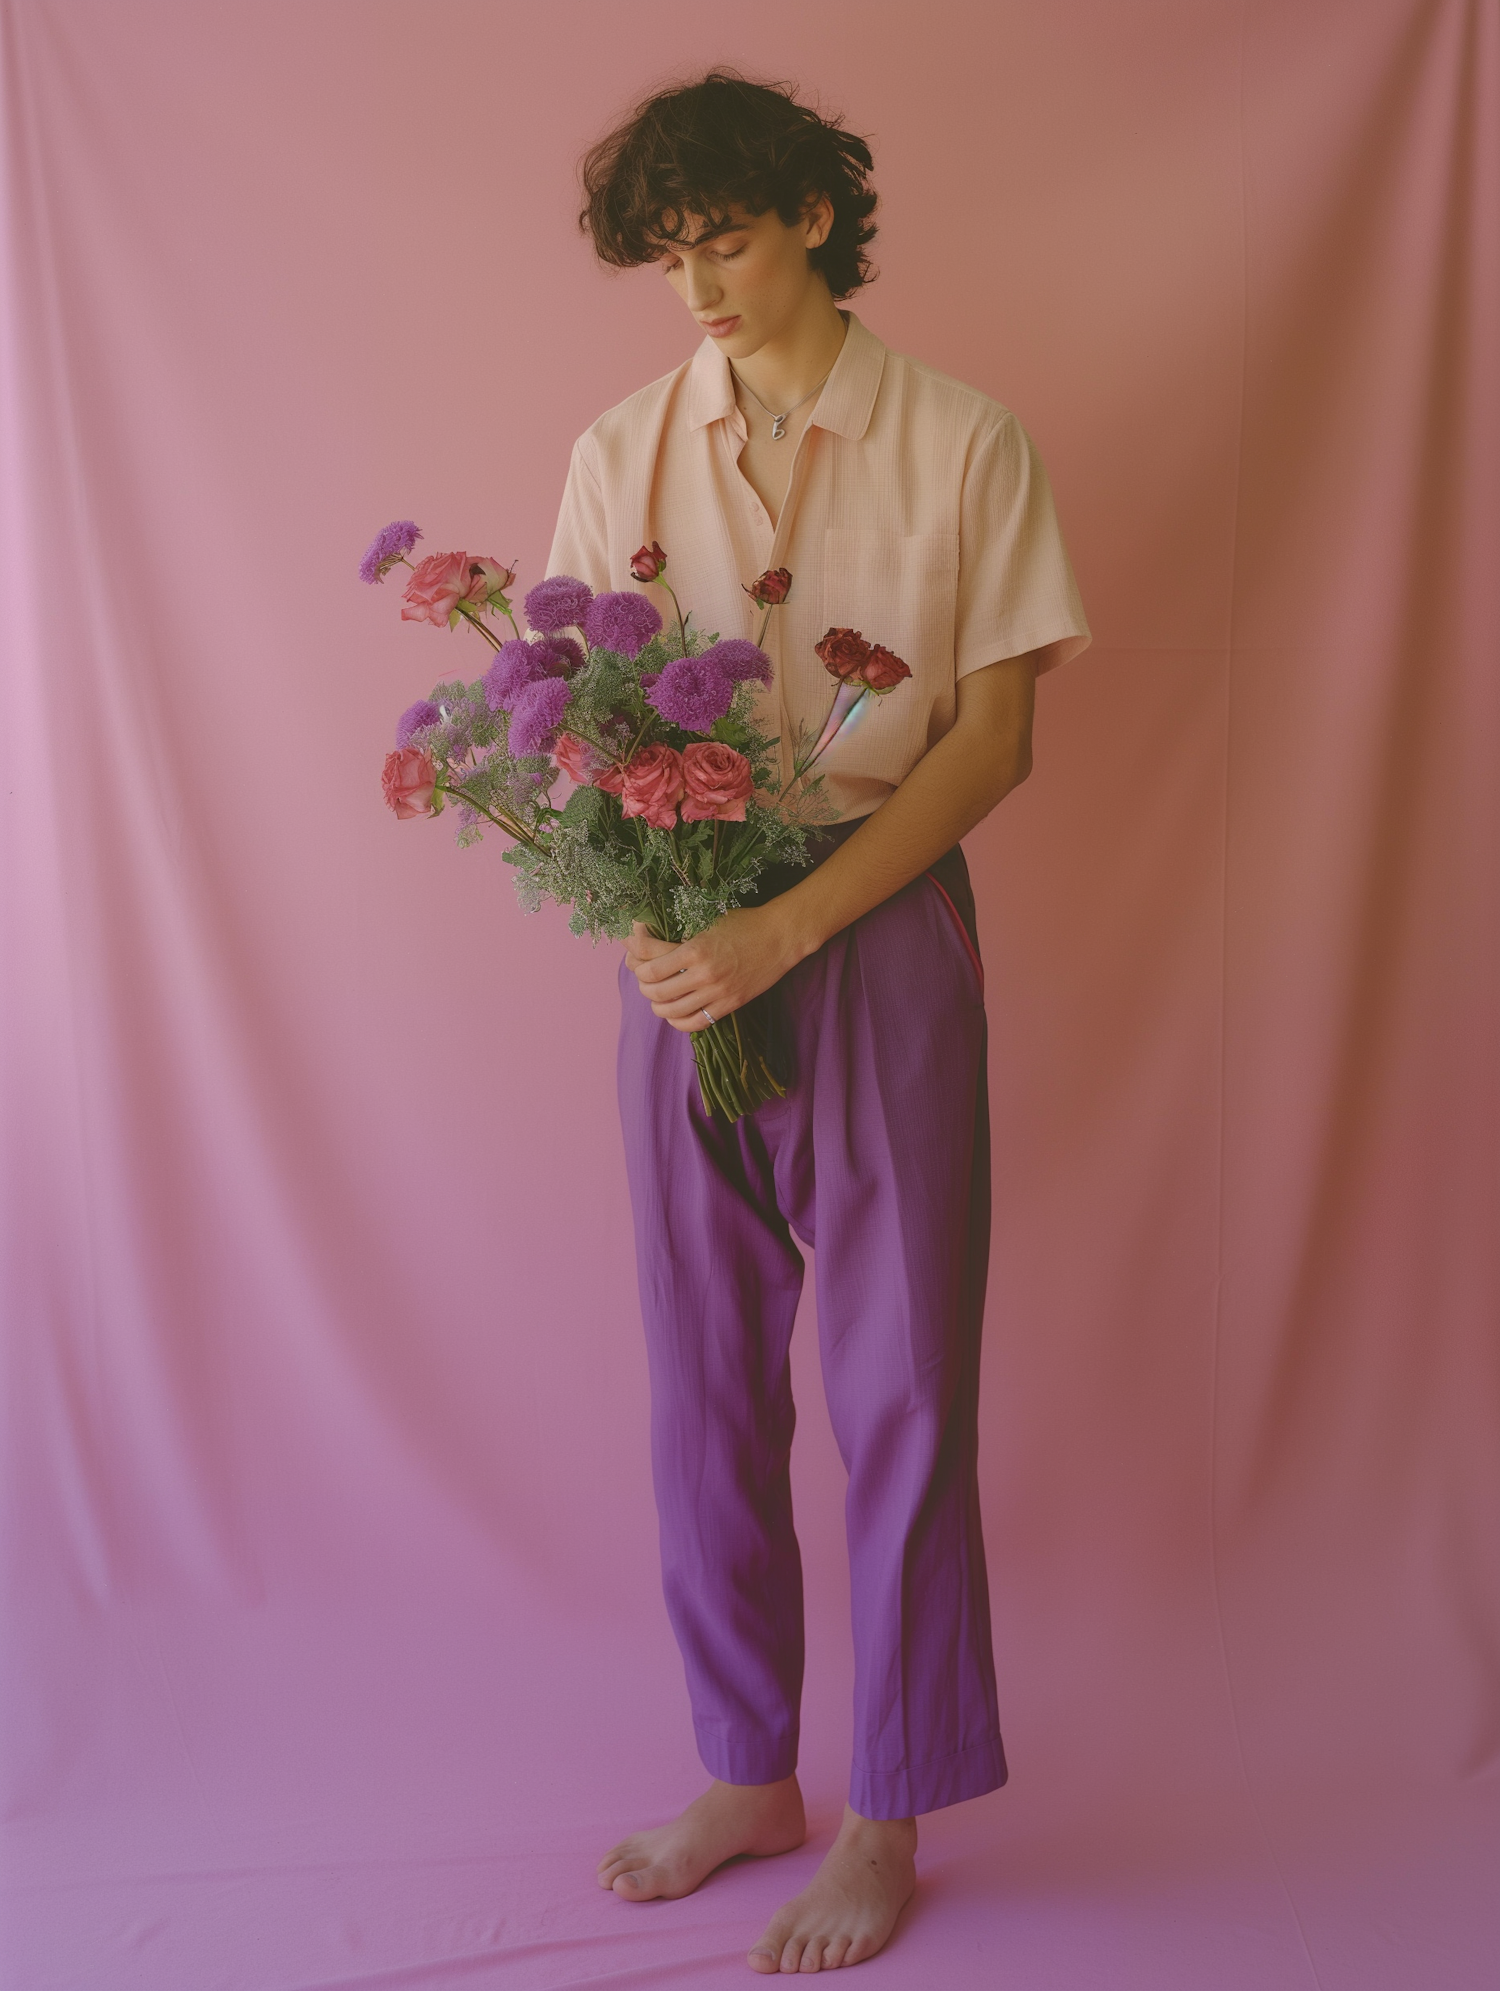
(696, 150)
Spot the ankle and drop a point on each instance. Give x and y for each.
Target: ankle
(785, 1791)
(893, 1833)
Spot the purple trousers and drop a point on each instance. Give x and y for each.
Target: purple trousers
(879, 1159)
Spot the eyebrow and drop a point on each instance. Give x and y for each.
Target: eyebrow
(665, 248)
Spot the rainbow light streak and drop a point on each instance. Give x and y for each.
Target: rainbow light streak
(849, 704)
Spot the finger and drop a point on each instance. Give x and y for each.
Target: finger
(649, 948)
(687, 1026)
(669, 967)
(691, 1014)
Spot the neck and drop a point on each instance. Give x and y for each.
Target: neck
(793, 362)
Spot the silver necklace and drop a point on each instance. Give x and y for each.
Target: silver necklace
(778, 422)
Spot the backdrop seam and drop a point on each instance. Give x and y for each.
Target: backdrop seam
(1217, 1331)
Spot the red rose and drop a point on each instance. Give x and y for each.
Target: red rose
(883, 669)
(409, 781)
(845, 654)
(652, 786)
(718, 783)
(772, 588)
(646, 564)
(437, 585)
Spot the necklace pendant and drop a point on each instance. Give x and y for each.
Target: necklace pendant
(778, 427)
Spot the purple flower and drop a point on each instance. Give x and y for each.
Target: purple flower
(414, 718)
(691, 693)
(558, 603)
(386, 548)
(739, 660)
(560, 655)
(517, 664)
(624, 622)
(536, 716)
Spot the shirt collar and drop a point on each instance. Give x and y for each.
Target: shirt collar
(844, 406)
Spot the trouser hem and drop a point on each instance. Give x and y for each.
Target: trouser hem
(929, 1786)
(737, 1759)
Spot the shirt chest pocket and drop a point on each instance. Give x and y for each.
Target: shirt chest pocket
(897, 589)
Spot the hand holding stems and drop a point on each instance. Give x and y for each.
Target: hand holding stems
(741, 955)
(717, 971)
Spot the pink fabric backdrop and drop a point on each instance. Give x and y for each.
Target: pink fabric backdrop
(334, 1653)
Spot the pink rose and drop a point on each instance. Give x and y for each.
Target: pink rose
(409, 781)
(611, 779)
(653, 786)
(578, 760)
(487, 578)
(718, 783)
(647, 562)
(437, 585)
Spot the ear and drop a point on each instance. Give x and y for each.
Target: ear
(817, 219)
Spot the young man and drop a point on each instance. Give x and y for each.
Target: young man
(914, 509)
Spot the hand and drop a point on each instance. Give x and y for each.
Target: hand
(719, 970)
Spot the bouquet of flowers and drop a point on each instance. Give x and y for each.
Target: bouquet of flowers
(676, 805)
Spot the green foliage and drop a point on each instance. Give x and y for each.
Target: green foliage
(610, 870)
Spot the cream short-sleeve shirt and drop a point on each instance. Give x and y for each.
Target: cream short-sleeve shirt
(918, 512)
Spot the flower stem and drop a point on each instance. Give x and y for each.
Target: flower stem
(473, 621)
(511, 829)
(826, 738)
(681, 619)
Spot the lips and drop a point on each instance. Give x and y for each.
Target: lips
(718, 328)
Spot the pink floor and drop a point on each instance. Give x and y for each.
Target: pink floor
(432, 1816)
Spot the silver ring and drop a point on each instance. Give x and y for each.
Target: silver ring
(704, 1012)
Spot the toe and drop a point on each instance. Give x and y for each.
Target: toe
(764, 1960)
(812, 1957)
(638, 1884)
(836, 1954)
(791, 1957)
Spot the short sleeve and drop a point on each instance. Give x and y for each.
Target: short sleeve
(580, 545)
(1016, 590)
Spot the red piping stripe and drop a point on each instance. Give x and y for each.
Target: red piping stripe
(963, 931)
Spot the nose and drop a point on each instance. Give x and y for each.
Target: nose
(702, 287)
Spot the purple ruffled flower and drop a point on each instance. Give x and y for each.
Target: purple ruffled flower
(560, 655)
(558, 603)
(517, 664)
(536, 716)
(625, 622)
(692, 692)
(386, 548)
(414, 718)
(739, 659)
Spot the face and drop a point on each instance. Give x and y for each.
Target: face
(750, 284)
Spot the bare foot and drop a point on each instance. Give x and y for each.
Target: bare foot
(851, 1906)
(727, 1820)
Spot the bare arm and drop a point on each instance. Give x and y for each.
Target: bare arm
(985, 754)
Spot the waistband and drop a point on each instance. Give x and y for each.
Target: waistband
(950, 872)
